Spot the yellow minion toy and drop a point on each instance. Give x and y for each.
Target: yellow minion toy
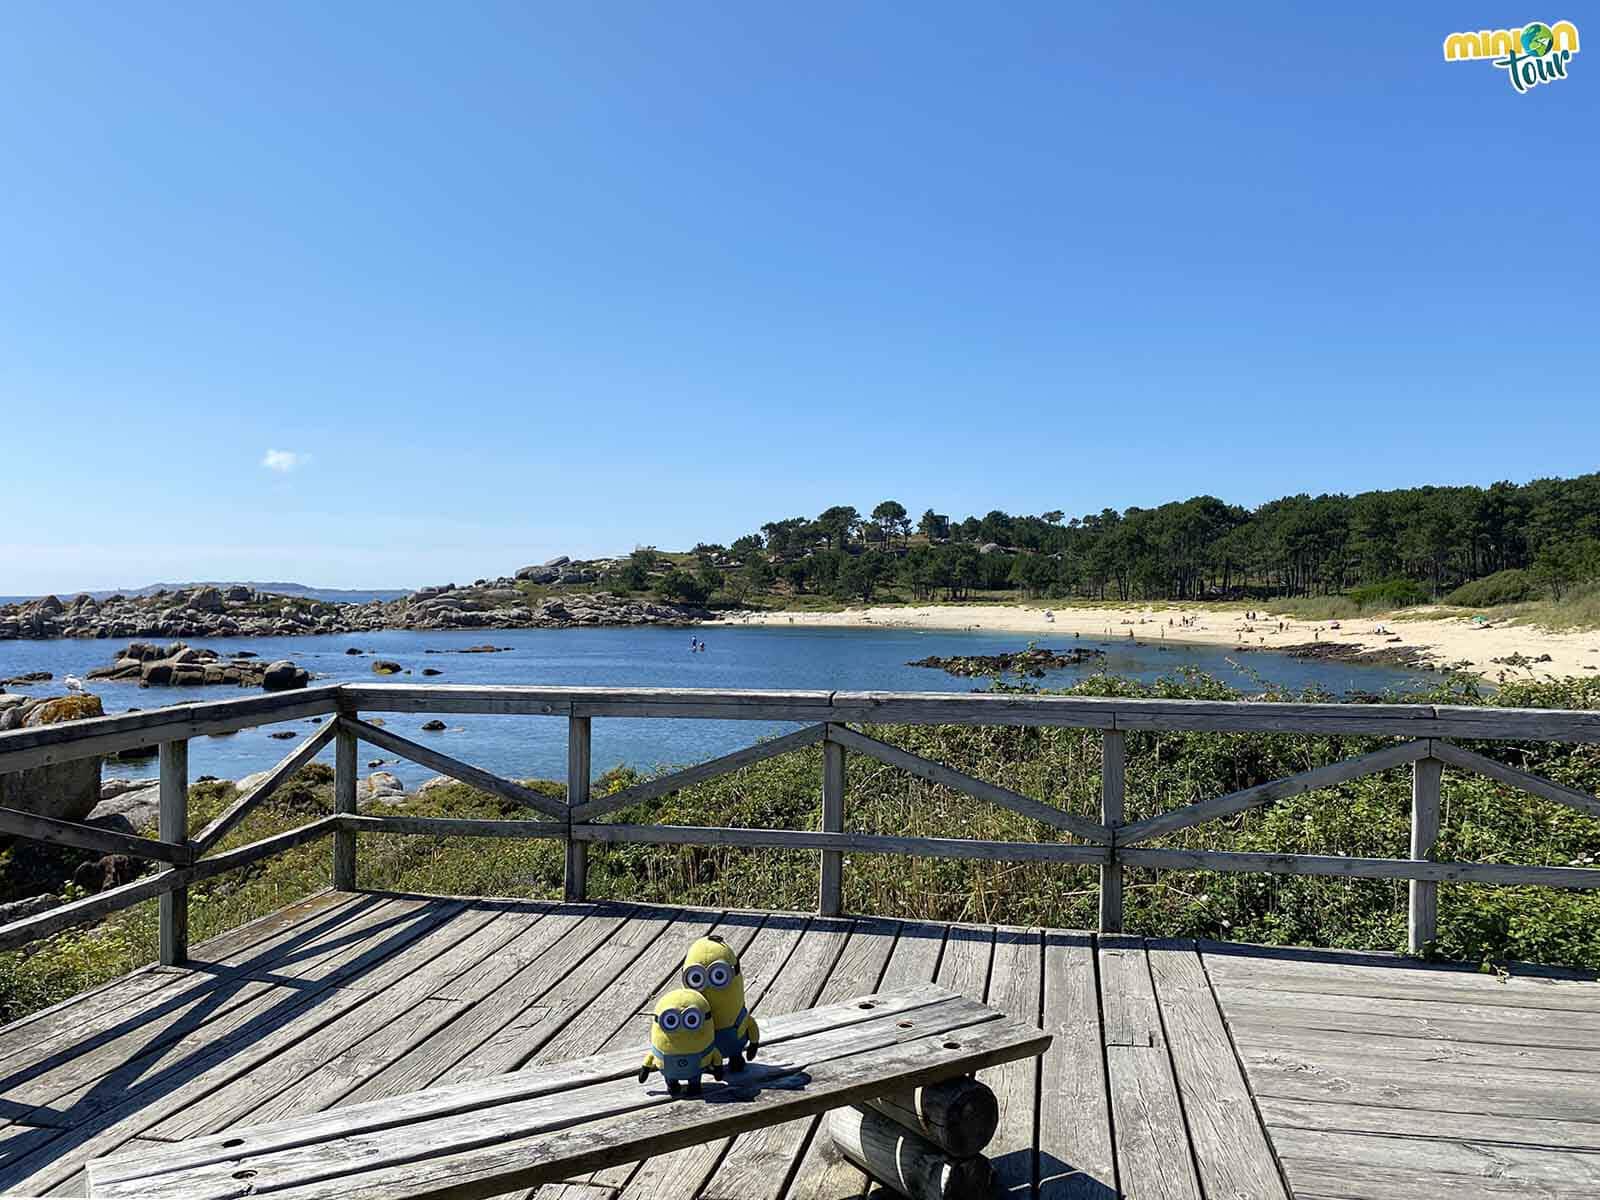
(712, 968)
(681, 1042)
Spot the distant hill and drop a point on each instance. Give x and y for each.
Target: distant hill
(327, 595)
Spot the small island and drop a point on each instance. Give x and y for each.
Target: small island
(1032, 662)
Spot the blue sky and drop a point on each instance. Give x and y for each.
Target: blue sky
(507, 281)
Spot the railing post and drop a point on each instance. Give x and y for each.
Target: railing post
(1424, 909)
(830, 890)
(173, 818)
(344, 801)
(577, 875)
(1112, 788)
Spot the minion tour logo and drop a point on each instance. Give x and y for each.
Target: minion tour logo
(1535, 54)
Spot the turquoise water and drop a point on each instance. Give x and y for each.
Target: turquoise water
(750, 657)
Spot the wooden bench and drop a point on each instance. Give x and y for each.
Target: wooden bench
(532, 1127)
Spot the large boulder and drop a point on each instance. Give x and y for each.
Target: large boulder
(382, 785)
(127, 805)
(67, 791)
(206, 599)
(283, 675)
(539, 574)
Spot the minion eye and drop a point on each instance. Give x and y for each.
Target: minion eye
(695, 977)
(668, 1020)
(691, 1018)
(720, 975)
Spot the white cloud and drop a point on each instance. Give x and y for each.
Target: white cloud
(284, 460)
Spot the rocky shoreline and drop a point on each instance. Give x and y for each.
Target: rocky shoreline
(239, 612)
(1032, 662)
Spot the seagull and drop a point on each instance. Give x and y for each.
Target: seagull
(74, 684)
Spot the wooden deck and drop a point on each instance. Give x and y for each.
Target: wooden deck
(1178, 1070)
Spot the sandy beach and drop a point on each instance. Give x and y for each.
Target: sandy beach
(1441, 639)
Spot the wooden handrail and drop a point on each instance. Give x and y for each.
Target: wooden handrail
(89, 837)
(826, 715)
(97, 736)
(241, 808)
(24, 748)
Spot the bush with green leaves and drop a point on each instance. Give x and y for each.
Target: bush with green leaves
(1503, 587)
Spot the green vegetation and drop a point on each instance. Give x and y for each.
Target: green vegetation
(1503, 587)
(1345, 555)
(1482, 821)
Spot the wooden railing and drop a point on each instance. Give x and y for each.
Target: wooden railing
(1110, 843)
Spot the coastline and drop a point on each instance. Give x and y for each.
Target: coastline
(1437, 641)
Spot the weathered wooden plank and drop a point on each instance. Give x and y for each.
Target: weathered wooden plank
(1231, 1150)
(946, 708)
(1113, 795)
(1400, 979)
(918, 947)
(91, 908)
(858, 843)
(823, 1173)
(1381, 1178)
(457, 698)
(713, 703)
(1354, 1076)
(1546, 789)
(499, 990)
(17, 823)
(1420, 1018)
(471, 1158)
(1381, 1120)
(1326, 776)
(517, 1042)
(1577, 878)
(1153, 1151)
(759, 1162)
(90, 1015)
(969, 785)
(1266, 1038)
(118, 1026)
(1015, 987)
(337, 1058)
(456, 769)
(762, 951)
(344, 807)
(321, 1033)
(1402, 720)
(104, 735)
(792, 985)
(240, 808)
(96, 736)
(576, 873)
(591, 1027)
(1076, 1156)
(163, 1084)
(489, 1037)
(173, 821)
(531, 827)
(830, 863)
(663, 785)
(447, 1102)
(1305, 1010)
(117, 1055)
(1422, 919)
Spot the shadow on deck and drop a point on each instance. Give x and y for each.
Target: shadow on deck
(1178, 1069)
